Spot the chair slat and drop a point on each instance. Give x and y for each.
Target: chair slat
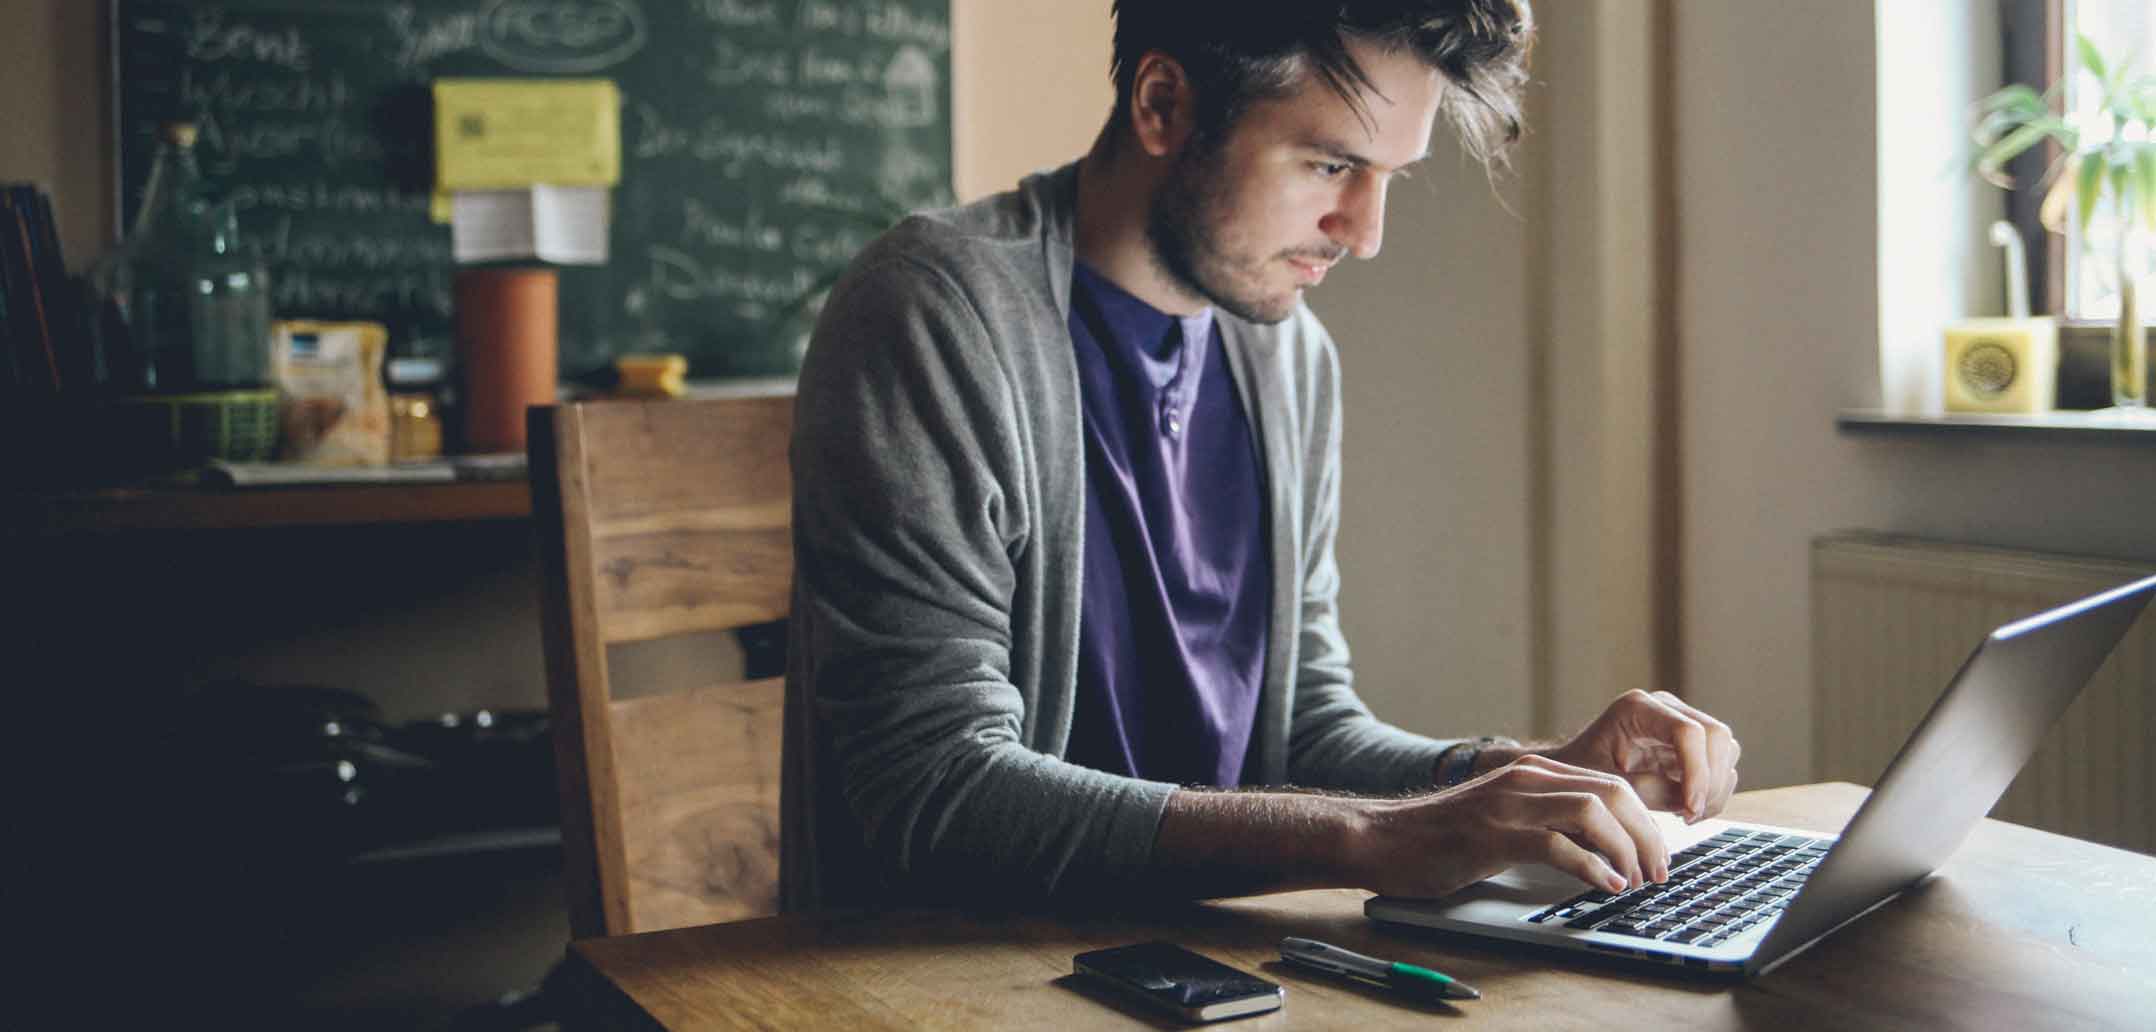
(675, 582)
(698, 776)
(664, 457)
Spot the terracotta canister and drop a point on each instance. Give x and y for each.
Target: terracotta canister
(506, 323)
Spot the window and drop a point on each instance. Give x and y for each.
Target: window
(2124, 31)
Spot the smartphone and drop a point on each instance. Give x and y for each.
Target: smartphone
(1196, 987)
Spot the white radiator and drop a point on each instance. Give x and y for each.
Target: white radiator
(1893, 619)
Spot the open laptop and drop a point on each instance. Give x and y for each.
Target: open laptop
(1743, 898)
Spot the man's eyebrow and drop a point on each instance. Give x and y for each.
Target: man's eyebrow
(1347, 156)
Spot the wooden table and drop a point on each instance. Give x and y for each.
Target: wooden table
(114, 509)
(2021, 929)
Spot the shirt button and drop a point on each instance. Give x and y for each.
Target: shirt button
(1175, 427)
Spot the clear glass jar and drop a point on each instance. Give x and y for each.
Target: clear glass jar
(181, 306)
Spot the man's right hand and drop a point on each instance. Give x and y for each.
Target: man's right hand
(1534, 810)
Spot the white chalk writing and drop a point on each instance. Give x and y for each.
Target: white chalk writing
(209, 38)
(420, 42)
(795, 107)
(739, 14)
(749, 232)
(733, 65)
(681, 276)
(561, 36)
(819, 68)
(828, 246)
(300, 292)
(816, 192)
(892, 22)
(654, 138)
(901, 24)
(226, 92)
(732, 151)
(321, 195)
(329, 139)
(346, 250)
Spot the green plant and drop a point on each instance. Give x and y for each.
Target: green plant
(2114, 156)
(2106, 150)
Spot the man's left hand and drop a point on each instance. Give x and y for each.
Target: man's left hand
(1676, 756)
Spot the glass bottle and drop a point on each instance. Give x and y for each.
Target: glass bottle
(181, 306)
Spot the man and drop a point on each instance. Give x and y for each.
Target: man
(1066, 471)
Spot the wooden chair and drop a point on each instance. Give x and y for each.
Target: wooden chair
(657, 520)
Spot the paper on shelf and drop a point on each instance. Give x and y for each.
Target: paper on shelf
(265, 474)
(449, 469)
(567, 225)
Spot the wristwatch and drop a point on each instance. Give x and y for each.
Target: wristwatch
(1457, 764)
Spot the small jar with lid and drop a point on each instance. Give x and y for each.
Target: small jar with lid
(415, 377)
(415, 428)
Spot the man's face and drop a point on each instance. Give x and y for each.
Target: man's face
(1251, 221)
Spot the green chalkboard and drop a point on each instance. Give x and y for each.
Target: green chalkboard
(763, 142)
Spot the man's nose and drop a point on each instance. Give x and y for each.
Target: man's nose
(1358, 221)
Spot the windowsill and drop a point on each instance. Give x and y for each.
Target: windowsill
(2102, 427)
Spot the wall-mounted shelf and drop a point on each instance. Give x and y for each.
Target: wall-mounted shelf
(223, 508)
(2101, 427)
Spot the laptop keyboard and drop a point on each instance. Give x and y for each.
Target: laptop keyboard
(1716, 890)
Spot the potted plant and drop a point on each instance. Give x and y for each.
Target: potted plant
(2106, 165)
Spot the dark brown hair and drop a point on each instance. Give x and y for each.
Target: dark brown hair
(1237, 52)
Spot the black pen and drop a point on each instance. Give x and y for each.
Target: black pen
(1417, 981)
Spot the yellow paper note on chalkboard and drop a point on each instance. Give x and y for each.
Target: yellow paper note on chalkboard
(493, 134)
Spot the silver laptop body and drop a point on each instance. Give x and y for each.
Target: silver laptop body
(1954, 767)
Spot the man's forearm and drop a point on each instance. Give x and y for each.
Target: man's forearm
(1214, 843)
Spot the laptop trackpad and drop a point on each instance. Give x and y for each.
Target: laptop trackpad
(1525, 884)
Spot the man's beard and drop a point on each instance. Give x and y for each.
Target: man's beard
(1183, 228)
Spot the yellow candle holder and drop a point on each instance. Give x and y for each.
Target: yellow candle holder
(2002, 365)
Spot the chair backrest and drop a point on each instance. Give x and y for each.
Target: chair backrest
(659, 520)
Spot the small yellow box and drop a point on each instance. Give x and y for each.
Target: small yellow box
(499, 134)
(2002, 365)
(651, 376)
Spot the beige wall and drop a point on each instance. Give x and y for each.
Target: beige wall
(1030, 87)
(1435, 525)
(52, 108)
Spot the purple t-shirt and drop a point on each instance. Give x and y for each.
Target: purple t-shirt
(1176, 607)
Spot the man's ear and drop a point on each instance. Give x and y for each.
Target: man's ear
(1163, 105)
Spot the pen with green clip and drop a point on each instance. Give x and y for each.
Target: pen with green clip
(1418, 981)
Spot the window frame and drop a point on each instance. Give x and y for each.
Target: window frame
(2034, 46)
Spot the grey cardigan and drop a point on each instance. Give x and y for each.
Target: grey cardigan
(939, 509)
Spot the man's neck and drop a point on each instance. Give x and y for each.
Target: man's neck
(1115, 195)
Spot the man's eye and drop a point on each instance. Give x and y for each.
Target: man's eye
(1331, 169)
